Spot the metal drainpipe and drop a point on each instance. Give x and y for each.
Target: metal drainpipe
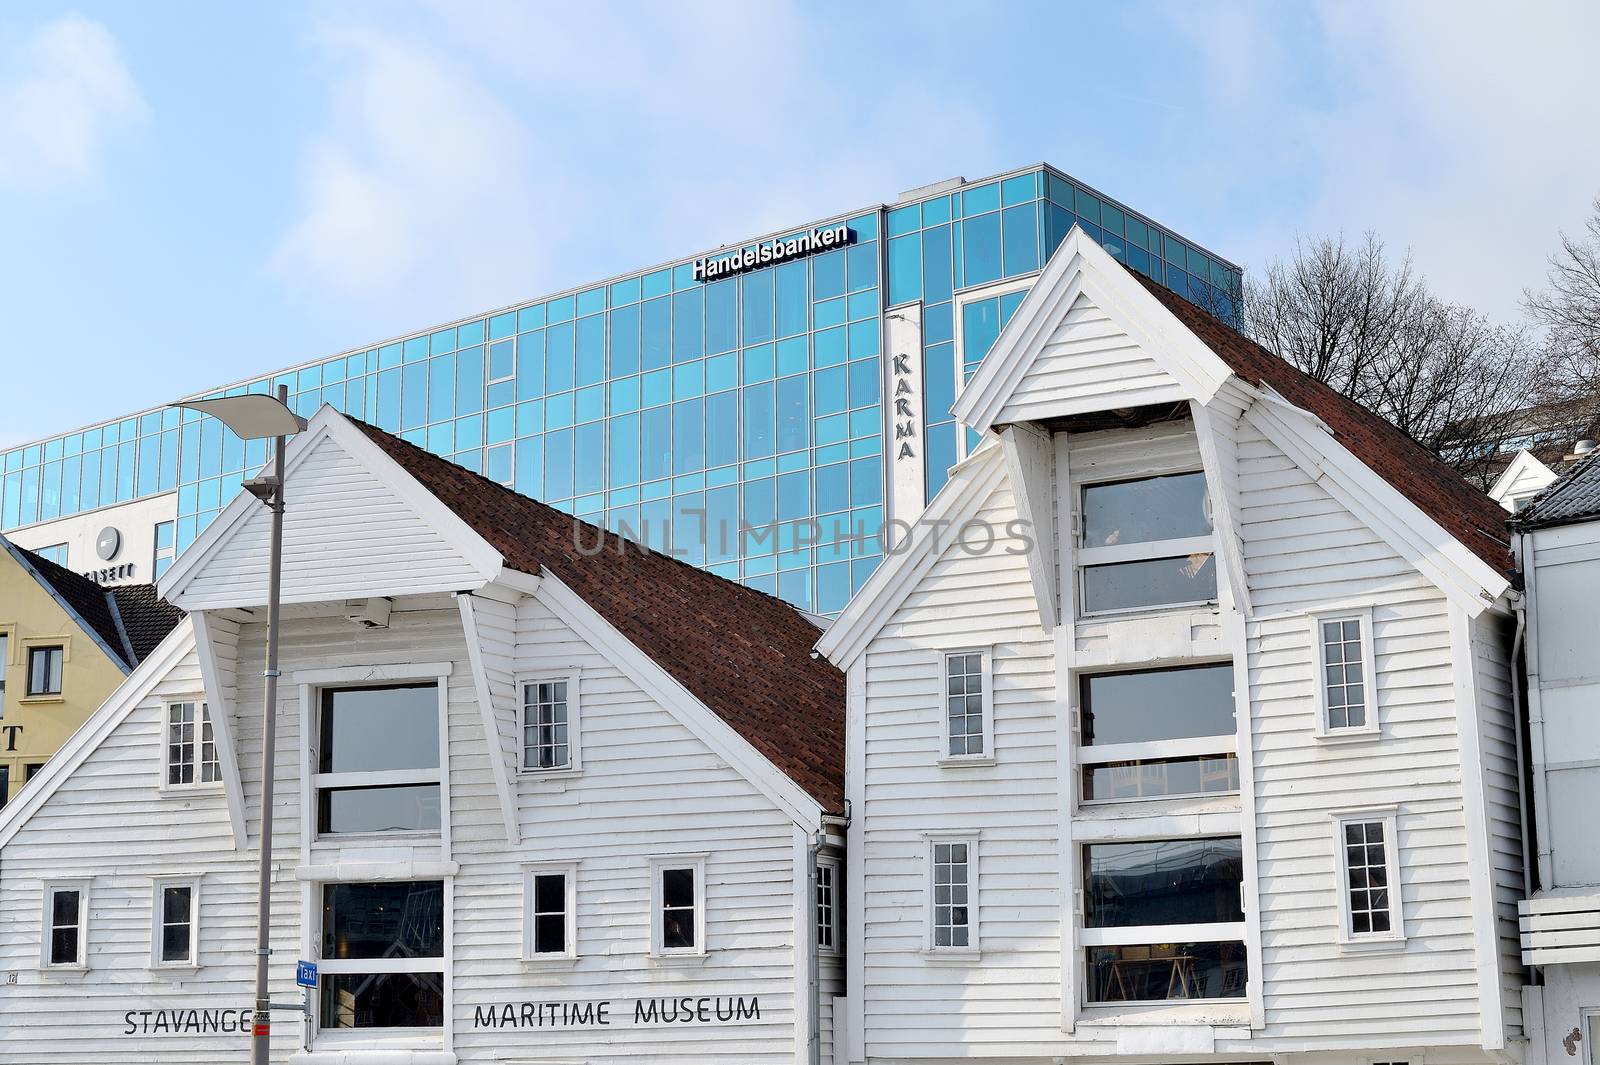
(1519, 606)
(1530, 579)
(814, 1044)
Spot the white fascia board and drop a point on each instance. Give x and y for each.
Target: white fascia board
(970, 483)
(94, 731)
(491, 721)
(690, 712)
(1522, 465)
(1217, 459)
(1082, 266)
(325, 424)
(220, 701)
(1029, 465)
(1465, 578)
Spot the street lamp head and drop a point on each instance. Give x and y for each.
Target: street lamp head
(252, 417)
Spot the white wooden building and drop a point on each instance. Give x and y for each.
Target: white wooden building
(1212, 758)
(533, 804)
(1557, 546)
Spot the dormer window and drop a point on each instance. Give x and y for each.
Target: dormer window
(1146, 544)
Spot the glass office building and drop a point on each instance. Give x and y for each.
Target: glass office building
(739, 421)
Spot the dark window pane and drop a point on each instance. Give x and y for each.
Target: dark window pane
(1152, 582)
(1167, 704)
(64, 908)
(1155, 508)
(383, 1000)
(63, 946)
(550, 934)
(380, 728)
(1161, 776)
(1166, 971)
(402, 919)
(549, 893)
(677, 887)
(677, 929)
(1165, 881)
(175, 942)
(393, 808)
(175, 905)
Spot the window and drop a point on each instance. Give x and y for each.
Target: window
(952, 895)
(65, 925)
(162, 558)
(383, 955)
(1146, 543)
(5, 658)
(56, 553)
(1345, 703)
(1147, 907)
(175, 910)
(5, 785)
(191, 749)
(378, 760)
(550, 918)
(1369, 878)
(1591, 1032)
(1158, 733)
(550, 724)
(44, 670)
(678, 900)
(31, 770)
(828, 906)
(967, 684)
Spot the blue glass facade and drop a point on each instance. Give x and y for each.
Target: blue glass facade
(671, 408)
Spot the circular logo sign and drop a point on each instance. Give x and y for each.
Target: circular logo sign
(108, 543)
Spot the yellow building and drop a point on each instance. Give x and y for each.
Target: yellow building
(65, 644)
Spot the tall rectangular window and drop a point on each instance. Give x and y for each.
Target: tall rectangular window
(953, 903)
(176, 905)
(678, 900)
(378, 760)
(1344, 658)
(827, 906)
(550, 919)
(1163, 919)
(383, 955)
(44, 670)
(1369, 875)
(65, 914)
(5, 659)
(191, 748)
(161, 560)
(549, 724)
(1146, 544)
(966, 704)
(1158, 733)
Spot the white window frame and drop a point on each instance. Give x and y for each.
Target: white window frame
(658, 866)
(202, 721)
(1590, 1027)
(569, 870)
(1085, 556)
(1147, 934)
(932, 840)
(986, 756)
(1090, 756)
(157, 891)
(161, 554)
(377, 677)
(834, 923)
(1395, 937)
(329, 1038)
(47, 895)
(1369, 674)
(488, 365)
(574, 764)
(988, 291)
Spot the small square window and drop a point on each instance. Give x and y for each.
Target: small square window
(550, 724)
(191, 747)
(678, 901)
(44, 670)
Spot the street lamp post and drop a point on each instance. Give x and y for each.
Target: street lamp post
(256, 417)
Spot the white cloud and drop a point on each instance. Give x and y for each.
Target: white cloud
(64, 92)
(1459, 130)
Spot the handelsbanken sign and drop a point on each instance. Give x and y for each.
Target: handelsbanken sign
(773, 251)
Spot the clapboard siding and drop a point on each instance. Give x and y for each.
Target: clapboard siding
(341, 526)
(648, 787)
(1008, 1002)
(1303, 551)
(1498, 729)
(1089, 363)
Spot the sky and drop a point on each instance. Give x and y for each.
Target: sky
(193, 193)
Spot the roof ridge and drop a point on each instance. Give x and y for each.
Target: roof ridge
(122, 629)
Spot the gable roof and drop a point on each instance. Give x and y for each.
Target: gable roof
(1416, 473)
(744, 654)
(99, 610)
(1572, 498)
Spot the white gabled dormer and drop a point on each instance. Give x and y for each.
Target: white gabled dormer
(1232, 664)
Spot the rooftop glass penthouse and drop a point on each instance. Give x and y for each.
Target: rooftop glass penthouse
(680, 400)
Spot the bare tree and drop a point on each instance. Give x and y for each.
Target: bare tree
(1442, 374)
(1569, 310)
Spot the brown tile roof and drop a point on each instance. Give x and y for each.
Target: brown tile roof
(1422, 477)
(744, 654)
(131, 619)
